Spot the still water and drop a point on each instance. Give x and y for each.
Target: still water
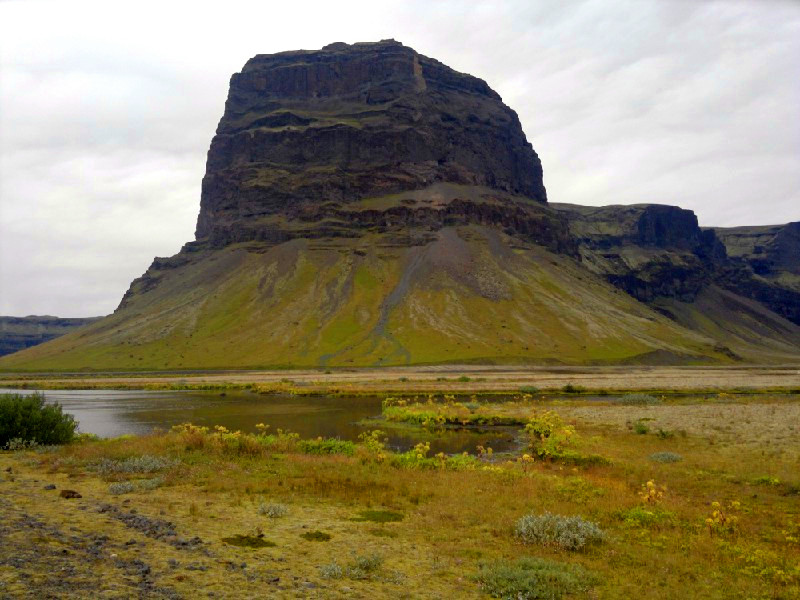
(110, 413)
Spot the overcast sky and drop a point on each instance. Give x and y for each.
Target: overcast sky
(107, 110)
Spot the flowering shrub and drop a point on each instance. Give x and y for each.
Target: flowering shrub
(548, 436)
(651, 493)
(722, 519)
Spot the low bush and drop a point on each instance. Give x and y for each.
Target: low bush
(136, 464)
(666, 457)
(141, 485)
(28, 419)
(637, 400)
(362, 567)
(327, 446)
(273, 511)
(646, 518)
(569, 533)
(532, 578)
(573, 389)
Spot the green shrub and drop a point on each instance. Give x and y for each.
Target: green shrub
(361, 568)
(529, 389)
(273, 511)
(637, 399)
(572, 389)
(666, 457)
(548, 436)
(29, 419)
(126, 487)
(639, 516)
(532, 578)
(327, 446)
(641, 427)
(569, 533)
(331, 571)
(136, 464)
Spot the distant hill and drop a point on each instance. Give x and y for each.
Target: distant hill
(367, 205)
(18, 333)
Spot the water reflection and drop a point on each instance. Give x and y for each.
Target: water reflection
(110, 413)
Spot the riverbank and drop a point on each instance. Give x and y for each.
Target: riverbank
(194, 513)
(435, 379)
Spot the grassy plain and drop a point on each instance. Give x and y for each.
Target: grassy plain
(413, 525)
(460, 379)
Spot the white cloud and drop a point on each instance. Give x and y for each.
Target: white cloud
(107, 110)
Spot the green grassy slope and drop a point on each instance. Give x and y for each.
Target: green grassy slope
(473, 295)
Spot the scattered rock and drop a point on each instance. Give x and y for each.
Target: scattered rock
(50, 486)
(70, 494)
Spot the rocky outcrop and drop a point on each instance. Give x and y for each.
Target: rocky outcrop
(18, 333)
(764, 265)
(648, 250)
(657, 251)
(318, 130)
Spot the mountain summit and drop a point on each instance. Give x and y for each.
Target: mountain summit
(366, 205)
(307, 132)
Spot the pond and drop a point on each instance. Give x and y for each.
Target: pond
(111, 413)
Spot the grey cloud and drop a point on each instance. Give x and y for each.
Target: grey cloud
(107, 110)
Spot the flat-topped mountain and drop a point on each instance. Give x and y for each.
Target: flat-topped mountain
(307, 133)
(366, 205)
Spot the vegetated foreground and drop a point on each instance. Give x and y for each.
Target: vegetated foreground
(631, 496)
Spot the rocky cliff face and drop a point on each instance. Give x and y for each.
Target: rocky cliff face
(764, 265)
(18, 333)
(307, 133)
(649, 250)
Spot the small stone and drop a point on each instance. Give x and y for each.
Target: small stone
(50, 486)
(70, 494)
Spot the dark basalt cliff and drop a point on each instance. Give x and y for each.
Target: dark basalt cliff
(649, 250)
(306, 133)
(657, 251)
